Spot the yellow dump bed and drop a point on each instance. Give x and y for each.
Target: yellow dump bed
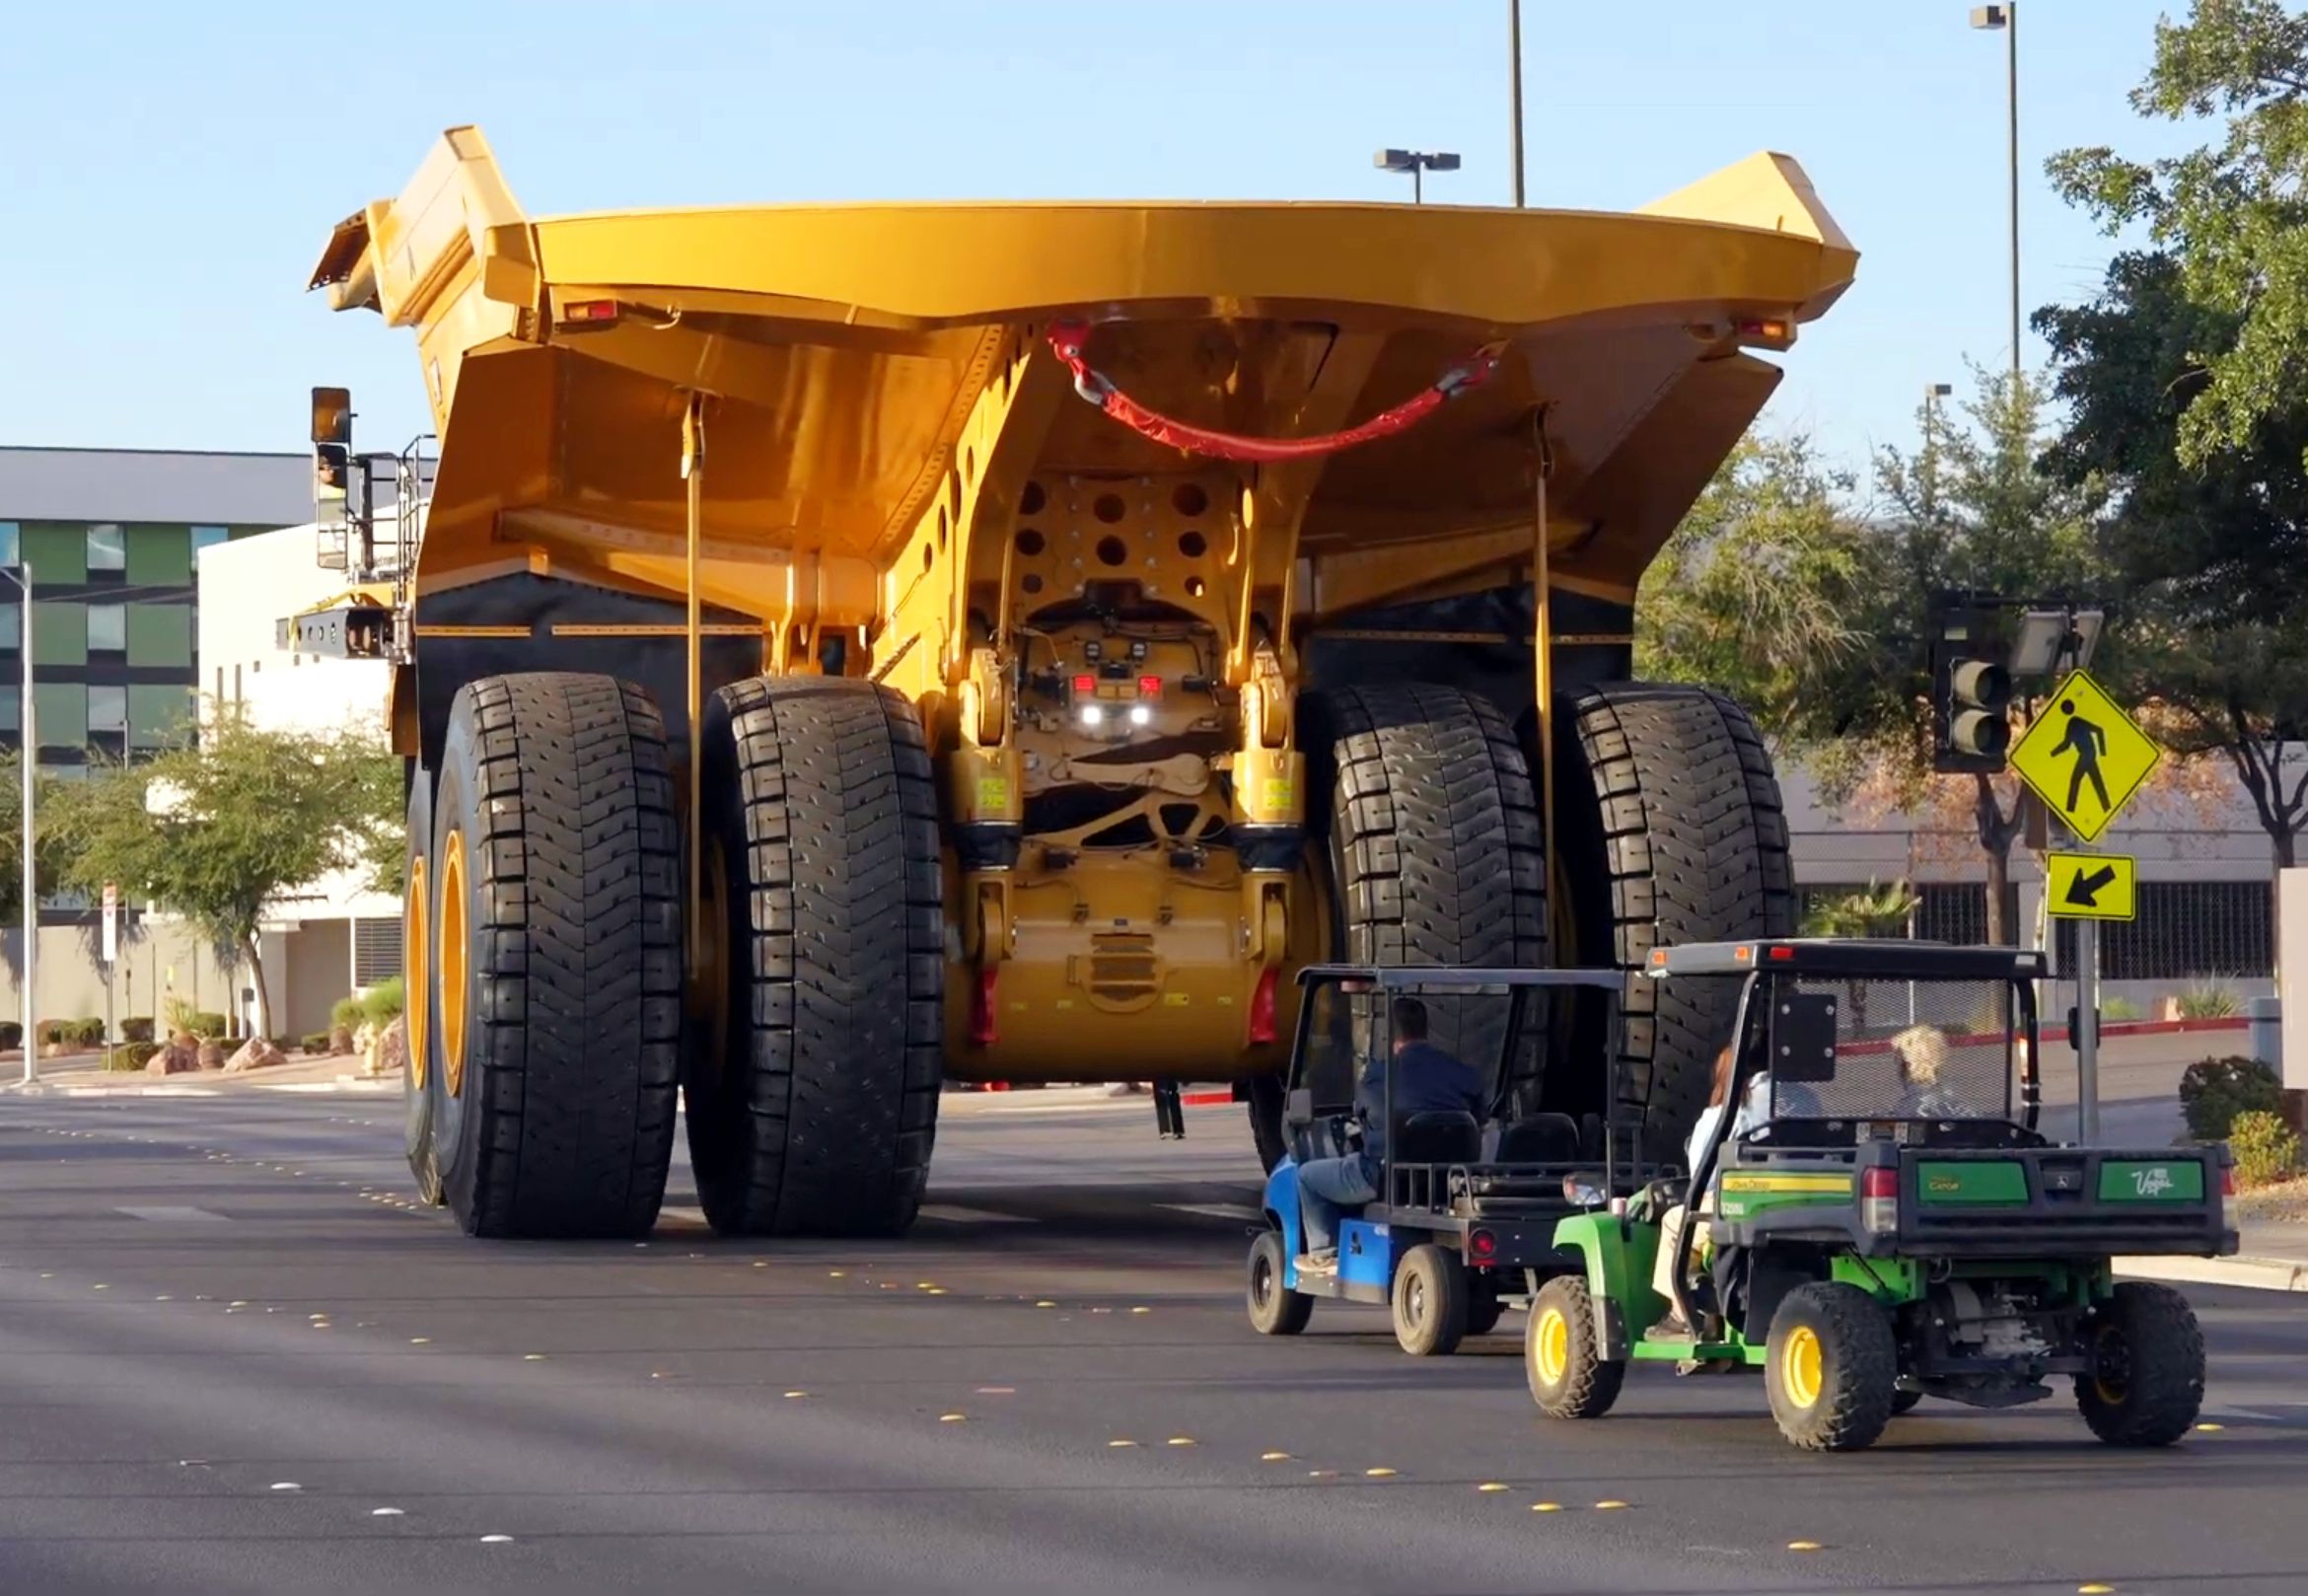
(845, 345)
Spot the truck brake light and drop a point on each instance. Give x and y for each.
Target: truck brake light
(1086, 684)
(588, 313)
(1149, 686)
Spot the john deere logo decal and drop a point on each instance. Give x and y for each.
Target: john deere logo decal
(2153, 1181)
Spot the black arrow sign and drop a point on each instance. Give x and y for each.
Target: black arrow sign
(2084, 890)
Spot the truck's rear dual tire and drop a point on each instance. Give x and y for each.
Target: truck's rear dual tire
(813, 1111)
(1434, 845)
(1669, 829)
(557, 928)
(423, 1003)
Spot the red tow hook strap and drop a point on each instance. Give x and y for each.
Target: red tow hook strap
(1068, 339)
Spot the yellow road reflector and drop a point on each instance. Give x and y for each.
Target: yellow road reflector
(951, 1419)
(1490, 1485)
(315, 1316)
(1181, 1440)
(836, 1274)
(2095, 1590)
(1608, 1504)
(1803, 1546)
(1378, 1474)
(420, 1341)
(2212, 1429)
(1121, 1443)
(1547, 1507)
(286, 1485)
(1046, 1303)
(1142, 1310)
(1321, 1474)
(495, 1540)
(997, 1391)
(1274, 1457)
(532, 1358)
(763, 1263)
(792, 1396)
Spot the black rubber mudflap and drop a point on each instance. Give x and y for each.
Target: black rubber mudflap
(816, 1112)
(1434, 845)
(1669, 829)
(563, 1125)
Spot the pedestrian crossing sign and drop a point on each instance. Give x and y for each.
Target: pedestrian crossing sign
(2084, 757)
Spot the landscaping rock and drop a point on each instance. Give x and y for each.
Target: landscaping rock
(179, 1058)
(391, 1055)
(255, 1053)
(212, 1056)
(340, 1038)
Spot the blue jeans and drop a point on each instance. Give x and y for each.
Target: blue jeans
(1326, 1185)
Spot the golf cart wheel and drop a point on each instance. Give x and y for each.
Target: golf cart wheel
(1485, 1308)
(2147, 1386)
(1832, 1367)
(1430, 1301)
(416, 970)
(1274, 1309)
(1561, 1357)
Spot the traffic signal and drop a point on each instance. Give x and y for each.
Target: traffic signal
(1970, 692)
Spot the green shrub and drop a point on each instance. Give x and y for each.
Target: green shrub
(2209, 1001)
(136, 1027)
(208, 1026)
(316, 1043)
(131, 1056)
(383, 1002)
(2265, 1149)
(88, 1033)
(11, 1034)
(2119, 1008)
(204, 1025)
(2213, 1091)
(347, 1012)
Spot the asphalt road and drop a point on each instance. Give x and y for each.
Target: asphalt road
(233, 1360)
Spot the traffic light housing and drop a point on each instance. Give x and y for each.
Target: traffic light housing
(1971, 692)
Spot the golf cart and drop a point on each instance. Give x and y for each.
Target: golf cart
(1464, 1225)
(1890, 1223)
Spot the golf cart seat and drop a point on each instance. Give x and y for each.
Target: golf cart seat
(1541, 1138)
(1438, 1137)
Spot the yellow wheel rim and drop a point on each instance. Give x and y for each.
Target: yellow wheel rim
(1800, 1367)
(452, 957)
(415, 922)
(1552, 1339)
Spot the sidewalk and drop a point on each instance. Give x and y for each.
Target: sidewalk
(81, 1075)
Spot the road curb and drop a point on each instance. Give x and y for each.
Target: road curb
(2256, 1274)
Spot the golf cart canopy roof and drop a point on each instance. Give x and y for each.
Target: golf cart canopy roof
(1419, 978)
(1887, 958)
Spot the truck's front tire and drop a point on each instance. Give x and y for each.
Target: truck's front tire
(815, 1113)
(558, 928)
(1669, 829)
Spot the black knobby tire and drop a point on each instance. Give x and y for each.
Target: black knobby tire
(816, 1114)
(1435, 845)
(1264, 1100)
(1430, 1301)
(424, 1001)
(1858, 1372)
(1274, 1309)
(555, 783)
(1670, 829)
(2149, 1385)
(1584, 1385)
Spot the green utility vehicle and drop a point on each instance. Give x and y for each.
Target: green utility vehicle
(1882, 1219)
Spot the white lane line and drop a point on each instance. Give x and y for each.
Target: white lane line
(954, 1214)
(165, 1214)
(1214, 1210)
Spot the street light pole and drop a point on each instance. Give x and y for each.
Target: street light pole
(1515, 88)
(1417, 163)
(2005, 18)
(27, 760)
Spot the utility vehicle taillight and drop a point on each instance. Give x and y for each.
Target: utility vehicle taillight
(2228, 1183)
(1880, 1181)
(1878, 1199)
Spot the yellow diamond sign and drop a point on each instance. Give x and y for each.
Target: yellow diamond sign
(2084, 757)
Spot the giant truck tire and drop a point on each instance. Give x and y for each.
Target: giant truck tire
(1669, 829)
(813, 1110)
(557, 929)
(1434, 844)
(416, 970)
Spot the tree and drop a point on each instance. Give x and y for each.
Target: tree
(218, 832)
(2230, 217)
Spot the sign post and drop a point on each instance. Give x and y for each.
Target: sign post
(112, 953)
(2085, 757)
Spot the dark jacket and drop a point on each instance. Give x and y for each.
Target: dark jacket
(1425, 1078)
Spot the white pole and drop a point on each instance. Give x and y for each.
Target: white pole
(30, 760)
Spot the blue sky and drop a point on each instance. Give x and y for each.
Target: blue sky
(174, 169)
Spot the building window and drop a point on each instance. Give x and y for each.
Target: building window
(12, 710)
(2187, 930)
(107, 628)
(158, 634)
(375, 950)
(60, 714)
(209, 538)
(108, 709)
(8, 543)
(56, 552)
(107, 547)
(158, 717)
(159, 557)
(59, 634)
(11, 629)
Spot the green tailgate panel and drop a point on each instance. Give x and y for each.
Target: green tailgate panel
(1972, 1183)
(2151, 1180)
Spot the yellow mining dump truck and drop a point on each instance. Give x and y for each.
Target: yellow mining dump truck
(856, 648)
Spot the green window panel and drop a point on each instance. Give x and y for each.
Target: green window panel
(61, 708)
(56, 550)
(158, 633)
(158, 717)
(59, 631)
(160, 557)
